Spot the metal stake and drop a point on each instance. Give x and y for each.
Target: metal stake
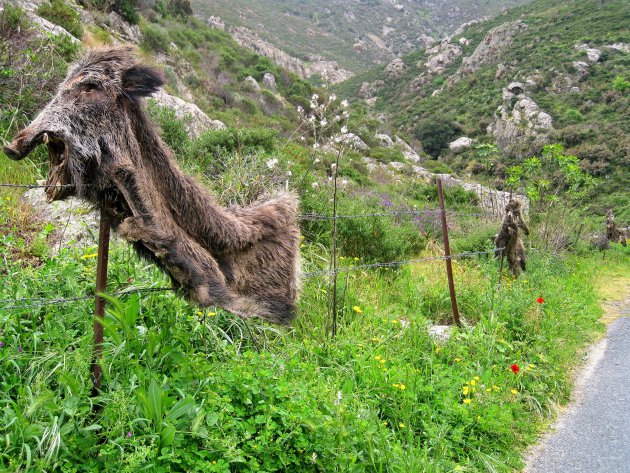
(447, 254)
(99, 303)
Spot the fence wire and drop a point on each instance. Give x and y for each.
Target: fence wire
(37, 302)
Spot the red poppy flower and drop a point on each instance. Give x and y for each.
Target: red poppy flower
(540, 300)
(515, 369)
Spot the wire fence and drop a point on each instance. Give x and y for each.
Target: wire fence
(38, 302)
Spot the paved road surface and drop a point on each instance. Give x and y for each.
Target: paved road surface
(594, 434)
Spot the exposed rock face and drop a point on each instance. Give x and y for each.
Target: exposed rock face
(460, 145)
(522, 129)
(269, 80)
(251, 84)
(328, 70)
(408, 152)
(41, 24)
(395, 69)
(498, 39)
(76, 222)
(465, 26)
(195, 121)
(368, 89)
(425, 41)
(464, 41)
(501, 71)
(384, 140)
(216, 23)
(623, 47)
(128, 32)
(592, 54)
(442, 56)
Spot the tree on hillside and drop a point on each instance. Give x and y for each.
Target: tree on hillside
(435, 134)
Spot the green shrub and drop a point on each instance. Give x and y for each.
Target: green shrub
(620, 84)
(12, 18)
(155, 38)
(435, 133)
(573, 116)
(173, 130)
(60, 13)
(387, 155)
(437, 167)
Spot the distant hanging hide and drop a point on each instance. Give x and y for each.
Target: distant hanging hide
(508, 241)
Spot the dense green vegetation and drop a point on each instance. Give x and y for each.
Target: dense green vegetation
(592, 123)
(189, 390)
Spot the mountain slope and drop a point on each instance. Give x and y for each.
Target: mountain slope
(568, 60)
(354, 33)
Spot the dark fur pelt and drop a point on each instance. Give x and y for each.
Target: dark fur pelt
(101, 141)
(508, 242)
(613, 232)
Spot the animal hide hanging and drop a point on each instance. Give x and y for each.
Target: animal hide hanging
(101, 142)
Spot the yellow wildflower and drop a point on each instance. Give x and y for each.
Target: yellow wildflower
(357, 309)
(382, 360)
(356, 259)
(496, 388)
(514, 391)
(438, 348)
(396, 385)
(377, 357)
(458, 360)
(403, 387)
(477, 378)
(394, 321)
(473, 382)
(467, 401)
(199, 312)
(211, 314)
(465, 390)
(401, 425)
(90, 255)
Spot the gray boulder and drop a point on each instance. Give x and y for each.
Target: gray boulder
(395, 69)
(269, 80)
(460, 145)
(195, 120)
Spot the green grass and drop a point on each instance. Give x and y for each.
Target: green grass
(212, 393)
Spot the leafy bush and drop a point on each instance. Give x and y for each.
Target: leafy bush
(387, 155)
(435, 134)
(620, 84)
(62, 14)
(438, 167)
(154, 38)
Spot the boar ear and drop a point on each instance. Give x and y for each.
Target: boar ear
(142, 81)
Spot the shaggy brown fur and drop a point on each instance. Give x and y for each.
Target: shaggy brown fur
(614, 233)
(509, 238)
(101, 141)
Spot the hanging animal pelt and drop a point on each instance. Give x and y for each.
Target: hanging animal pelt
(613, 232)
(508, 241)
(101, 143)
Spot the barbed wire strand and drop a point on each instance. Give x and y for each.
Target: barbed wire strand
(36, 186)
(37, 302)
(345, 269)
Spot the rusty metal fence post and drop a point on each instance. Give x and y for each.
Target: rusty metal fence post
(99, 303)
(447, 254)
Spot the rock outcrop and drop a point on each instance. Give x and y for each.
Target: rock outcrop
(395, 69)
(460, 145)
(496, 40)
(592, 54)
(329, 71)
(440, 56)
(194, 119)
(520, 127)
(269, 80)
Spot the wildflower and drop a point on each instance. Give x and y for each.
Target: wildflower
(478, 418)
(89, 255)
(401, 425)
(376, 339)
(473, 382)
(477, 378)
(438, 349)
(128, 434)
(459, 468)
(199, 312)
(403, 387)
(344, 129)
(344, 104)
(457, 360)
(396, 385)
(514, 391)
(394, 321)
(1, 344)
(272, 163)
(332, 97)
(324, 122)
(356, 259)
(467, 401)
(465, 390)
(540, 300)
(515, 369)
(211, 314)
(20, 350)
(315, 145)
(377, 357)
(496, 388)
(357, 309)
(382, 360)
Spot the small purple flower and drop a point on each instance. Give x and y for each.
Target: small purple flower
(128, 434)
(1, 344)
(20, 350)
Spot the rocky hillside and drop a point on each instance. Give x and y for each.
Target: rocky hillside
(547, 72)
(355, 34)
